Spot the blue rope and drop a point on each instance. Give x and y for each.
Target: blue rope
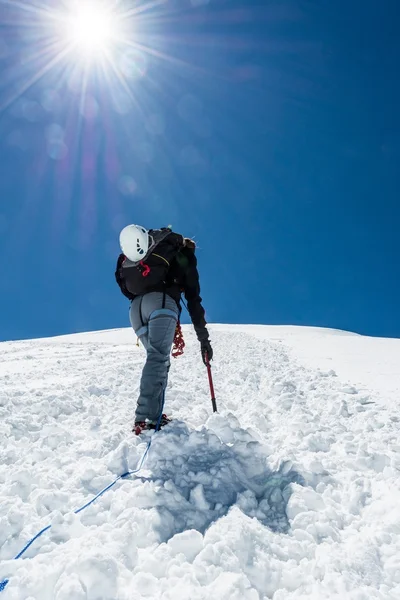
(103, 491)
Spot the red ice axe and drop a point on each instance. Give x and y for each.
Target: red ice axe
(210, 381)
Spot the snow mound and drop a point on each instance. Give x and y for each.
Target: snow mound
(290, 492)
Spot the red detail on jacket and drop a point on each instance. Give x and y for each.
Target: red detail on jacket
(146, 269)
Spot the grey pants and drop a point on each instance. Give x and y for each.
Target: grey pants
(155, 327)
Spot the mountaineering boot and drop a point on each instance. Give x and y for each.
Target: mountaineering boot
(141, 426)
(164, 420)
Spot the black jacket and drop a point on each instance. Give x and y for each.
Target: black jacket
(183, 277)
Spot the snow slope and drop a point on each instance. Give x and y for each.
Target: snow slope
(291, 492)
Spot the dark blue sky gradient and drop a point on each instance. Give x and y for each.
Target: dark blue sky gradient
(269, 131)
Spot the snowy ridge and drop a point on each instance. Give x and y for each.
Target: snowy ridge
(291, 492)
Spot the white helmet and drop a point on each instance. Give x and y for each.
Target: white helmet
(134, 242)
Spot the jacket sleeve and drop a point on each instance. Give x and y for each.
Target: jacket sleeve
(192, 294)
(120, 280)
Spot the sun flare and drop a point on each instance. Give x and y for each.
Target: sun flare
(107, 43)
(91, 28)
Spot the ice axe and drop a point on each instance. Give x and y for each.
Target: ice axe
(210, 381)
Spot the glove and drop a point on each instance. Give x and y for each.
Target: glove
(206, 351)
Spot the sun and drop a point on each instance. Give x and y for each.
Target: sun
(87, 43)
(90, 28)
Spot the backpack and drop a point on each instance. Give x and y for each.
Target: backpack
(151, 273)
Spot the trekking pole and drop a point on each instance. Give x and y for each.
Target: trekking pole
(210, 381)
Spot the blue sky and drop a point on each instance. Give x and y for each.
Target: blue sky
(269, 131)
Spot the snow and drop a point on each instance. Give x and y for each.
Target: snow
(291, 491)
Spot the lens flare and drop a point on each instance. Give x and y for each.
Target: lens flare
(91, 28)
(77, 41)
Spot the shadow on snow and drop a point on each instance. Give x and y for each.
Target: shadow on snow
(197, 476)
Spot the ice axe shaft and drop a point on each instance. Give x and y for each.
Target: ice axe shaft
(210, 381)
